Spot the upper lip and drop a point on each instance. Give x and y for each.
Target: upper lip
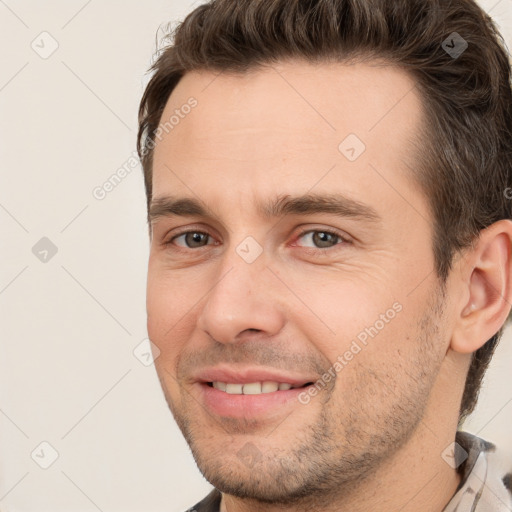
(248, 375)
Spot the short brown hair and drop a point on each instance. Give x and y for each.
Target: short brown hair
(464, 159)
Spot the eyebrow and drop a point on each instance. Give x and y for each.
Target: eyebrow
(337, 204)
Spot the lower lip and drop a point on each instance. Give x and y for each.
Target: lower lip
(244, 406)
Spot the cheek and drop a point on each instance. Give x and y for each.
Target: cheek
(377, 362)
(335, 310)
(367, 326)
(169, 307)
(170, 294)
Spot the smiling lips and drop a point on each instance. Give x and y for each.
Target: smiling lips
(248, 392)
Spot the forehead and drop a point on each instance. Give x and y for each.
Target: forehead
(289, 128)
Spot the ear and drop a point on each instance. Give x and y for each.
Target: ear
(487, 288)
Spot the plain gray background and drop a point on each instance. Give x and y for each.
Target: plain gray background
(77, 392)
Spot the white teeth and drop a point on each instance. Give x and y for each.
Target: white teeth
(254, 388)
(220, 385)
(269, 387)
(251, 388)
(234, 389)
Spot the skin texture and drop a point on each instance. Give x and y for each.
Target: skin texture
(373, 436)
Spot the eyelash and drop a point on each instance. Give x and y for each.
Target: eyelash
(343, 240)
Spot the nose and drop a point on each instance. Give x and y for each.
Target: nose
(244, 298)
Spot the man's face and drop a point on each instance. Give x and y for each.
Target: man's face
(293, 298)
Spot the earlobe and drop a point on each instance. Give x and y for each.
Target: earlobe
(488, 279)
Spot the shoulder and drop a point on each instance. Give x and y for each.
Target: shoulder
(486, 476)
(209, 504)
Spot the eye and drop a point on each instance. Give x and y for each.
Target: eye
(191, 239)
(322, 239)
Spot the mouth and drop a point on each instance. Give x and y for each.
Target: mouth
(255, 393)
